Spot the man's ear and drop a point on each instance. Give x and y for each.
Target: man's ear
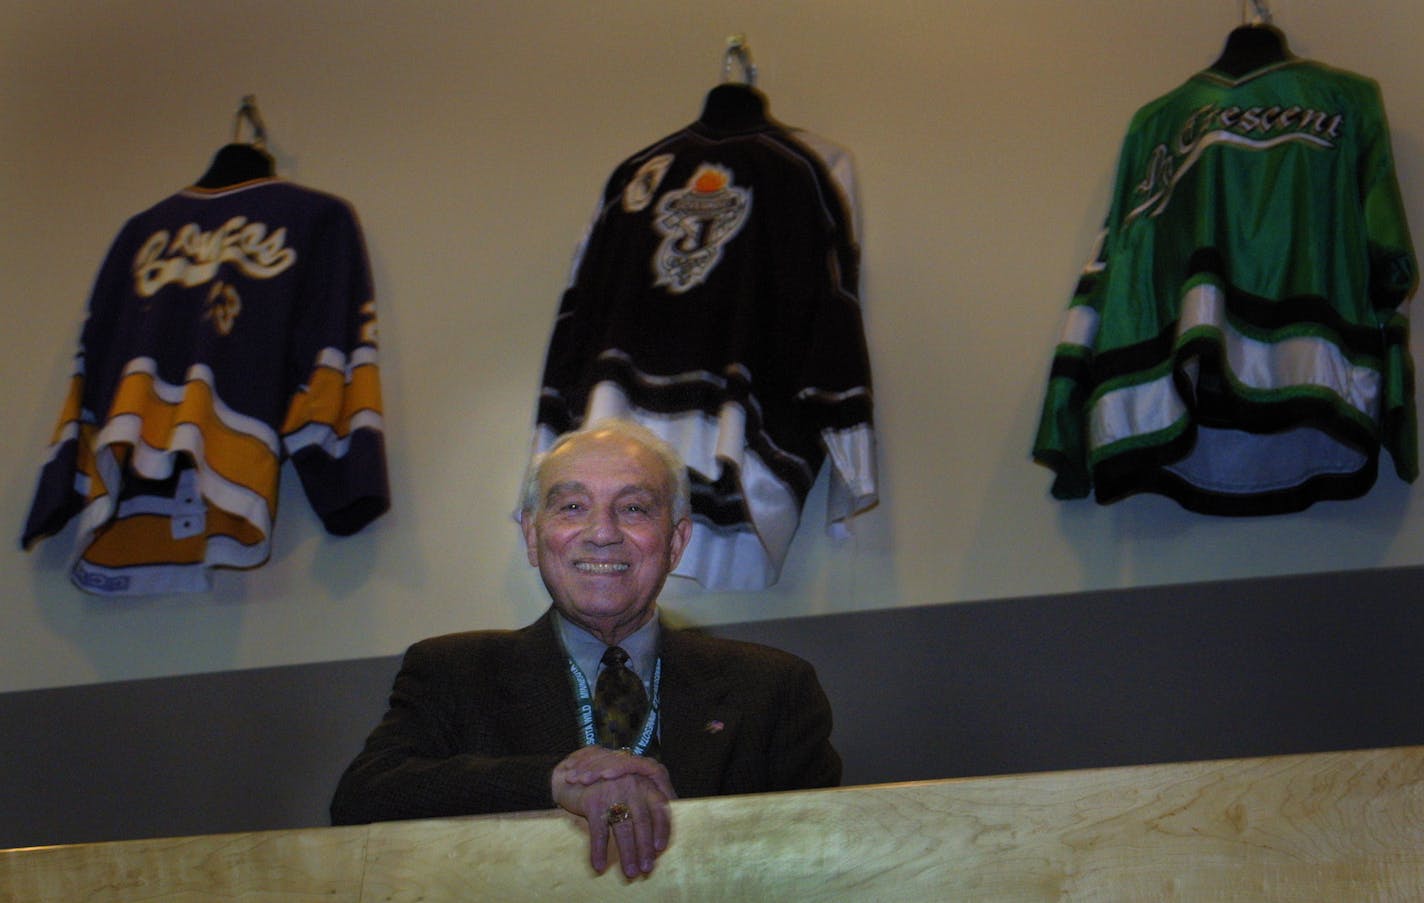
(681, 533)
(531, 537)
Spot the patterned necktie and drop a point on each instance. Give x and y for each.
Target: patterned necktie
(619, 701)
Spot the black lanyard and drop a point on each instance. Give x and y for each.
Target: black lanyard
(583, 699)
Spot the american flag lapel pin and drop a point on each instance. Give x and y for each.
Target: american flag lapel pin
(713, 727)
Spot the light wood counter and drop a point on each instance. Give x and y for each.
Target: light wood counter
(1328, 826)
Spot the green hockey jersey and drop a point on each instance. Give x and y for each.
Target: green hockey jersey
(1239, 341)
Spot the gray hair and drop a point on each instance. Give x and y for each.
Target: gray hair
(676, 470)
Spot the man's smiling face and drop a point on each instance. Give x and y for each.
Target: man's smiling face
(602, 534)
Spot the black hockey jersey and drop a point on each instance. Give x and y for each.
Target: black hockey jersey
(227, 330)
(715, 300)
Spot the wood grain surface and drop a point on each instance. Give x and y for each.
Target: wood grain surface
(1328, 826)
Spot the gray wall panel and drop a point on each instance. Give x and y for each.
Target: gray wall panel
(1293, 664)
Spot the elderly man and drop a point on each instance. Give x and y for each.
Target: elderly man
(597, 707)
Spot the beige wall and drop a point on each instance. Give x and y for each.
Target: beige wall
(473, 137)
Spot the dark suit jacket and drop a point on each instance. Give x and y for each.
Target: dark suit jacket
(477, 722)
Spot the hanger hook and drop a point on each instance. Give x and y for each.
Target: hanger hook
(248, 111)
(737, 51)
(1262, 12)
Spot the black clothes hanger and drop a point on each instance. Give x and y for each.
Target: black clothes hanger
(238, 162)
(1250, 47)
(735, 106)
(1253, 45)
(234, 163)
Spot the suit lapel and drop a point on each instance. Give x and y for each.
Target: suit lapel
(535, 693)
(698, 722)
